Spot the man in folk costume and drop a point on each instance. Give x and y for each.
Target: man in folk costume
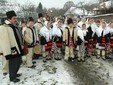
(38, 25)
(46, 40)
(31, 38)
(11, 45)
(103, 40)
(81, 42)
(65, 22)
(76, 27)
(69, 40)
(57, 35)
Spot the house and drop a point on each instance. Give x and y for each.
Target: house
(104, 7)
(77, 11)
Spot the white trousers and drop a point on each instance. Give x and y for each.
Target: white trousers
(68, 52)
(5, 66)
(29, 57)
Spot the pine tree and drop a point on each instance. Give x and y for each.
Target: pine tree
(39, 8)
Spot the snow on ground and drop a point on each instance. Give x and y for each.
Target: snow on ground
(92, 72)
(51, 73)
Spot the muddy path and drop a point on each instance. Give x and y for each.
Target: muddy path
(90, 72)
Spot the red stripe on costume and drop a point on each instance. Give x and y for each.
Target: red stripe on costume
(48, 48)
(103, 40)
(49, 43)
(111, 45)
(70, 41)
(59, 45)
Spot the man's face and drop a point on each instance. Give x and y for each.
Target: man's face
(13, 20)
(71, 25)
(23, 24)
(41, 19)
(31, 23)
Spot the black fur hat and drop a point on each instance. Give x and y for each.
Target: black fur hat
(10, 14)
(40, 15)
(69, 21)
(30, 19)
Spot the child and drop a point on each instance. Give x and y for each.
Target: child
(31, 39)
(81, 42)
(57, 35)
(103, 40)
(69, 39)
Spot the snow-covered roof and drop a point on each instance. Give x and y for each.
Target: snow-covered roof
(106, 4)
(76, 11)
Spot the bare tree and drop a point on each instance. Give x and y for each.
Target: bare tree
(2, 7)
(29, 9)
(3, 1)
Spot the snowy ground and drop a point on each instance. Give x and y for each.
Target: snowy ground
(51, 73)
(92, 72)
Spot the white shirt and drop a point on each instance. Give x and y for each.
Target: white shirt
(46, 33)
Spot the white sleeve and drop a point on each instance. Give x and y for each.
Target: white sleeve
(5, 42)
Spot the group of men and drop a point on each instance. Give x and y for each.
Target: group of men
(47, 37)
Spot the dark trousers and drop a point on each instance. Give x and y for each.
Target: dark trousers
(112, 50)
(14, 65)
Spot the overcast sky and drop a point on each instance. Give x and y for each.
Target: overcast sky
(49, 3)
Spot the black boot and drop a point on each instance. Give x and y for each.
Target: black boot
(15, 80)
(34, 62)
(18, 75)
(36, 56)
(4, 74)
(71, 59)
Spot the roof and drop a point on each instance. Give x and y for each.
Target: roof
(77, 11)
(110, 14)
(106, 4)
